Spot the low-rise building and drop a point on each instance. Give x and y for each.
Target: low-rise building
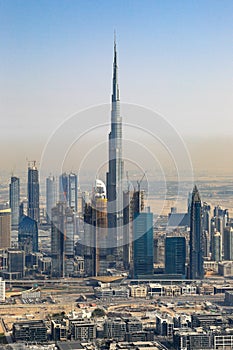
(115, 329)
(225, 268)
(228, 298)
(30, 331)
(110, 292)
(82, 329)
(59, 330)
(188, 289)
(138, 291)
(155, 289)
(188, 339)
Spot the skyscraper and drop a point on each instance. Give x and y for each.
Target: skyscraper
(95, 232)
(5, 228)
(175, 255)
(63, 188)
(73, 191)
(33, 192)
(14, 200)
(62, 240)
(57, 240)
(217, 247)
(115, 165)
(228, 243)
(196, 270)
(143, 258)
(68, 190)
(142, 245)
(51, 196)
(28, 235)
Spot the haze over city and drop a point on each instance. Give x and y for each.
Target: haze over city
(175, 58)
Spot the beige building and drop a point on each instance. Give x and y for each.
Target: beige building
(5, 228)
(138, 291)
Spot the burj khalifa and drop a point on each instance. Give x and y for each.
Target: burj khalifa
(115, 164)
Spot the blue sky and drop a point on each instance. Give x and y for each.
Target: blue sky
(56, 58)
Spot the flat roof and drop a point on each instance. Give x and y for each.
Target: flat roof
(69, 345)
(107, 279)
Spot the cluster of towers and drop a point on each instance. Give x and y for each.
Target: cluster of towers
(210, 239)
(117, 228)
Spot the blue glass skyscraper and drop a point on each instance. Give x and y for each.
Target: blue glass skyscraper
(143, 244)
(175, 255)
(28, 235)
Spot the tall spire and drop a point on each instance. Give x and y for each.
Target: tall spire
(115, 89)
(115, 164)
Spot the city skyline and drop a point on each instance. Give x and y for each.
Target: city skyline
(179, 52)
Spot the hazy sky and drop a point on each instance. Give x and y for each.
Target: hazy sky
(174, 57)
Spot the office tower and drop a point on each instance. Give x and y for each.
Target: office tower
(89, 241)
(196, 270)
(69, 227)
(14, 200)
(221, 219)
(143, 259)
(133, 203)
(68, 190)
(115, 166)
(33, 192)
(96, 232)
(217, 247)
(206, 243)
(206, 217)
(51, 196)
(57, 240)
(62, 240)
(126, 230)
(16, 261)
(228, 243)
(28, 235)
(73, 191)
(100, 221)
(5, 228)
(63, 188)
(175, 255)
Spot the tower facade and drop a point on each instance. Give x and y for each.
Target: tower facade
(28, 235)
(14, 200)
(175, 255)
(5, 228)
(115, 164)
(217, 247)
(68, 190)
(33, 192)
(143, 257)
(73, 191)
(95, 232)
(51, 196)
(228, 243)
(196, 270)
(62, 240)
